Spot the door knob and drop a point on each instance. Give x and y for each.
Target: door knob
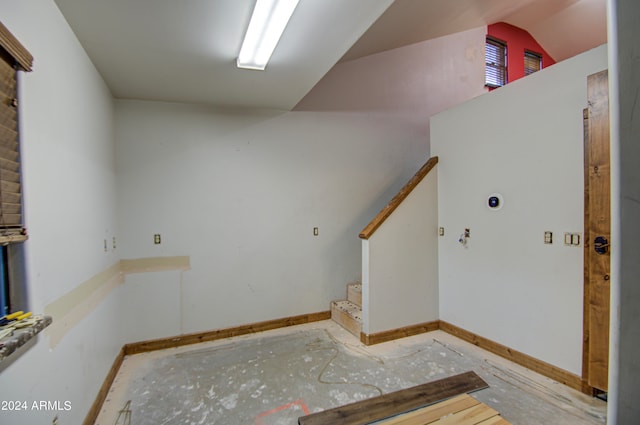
(601, 245)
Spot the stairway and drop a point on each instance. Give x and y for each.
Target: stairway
(348, 313)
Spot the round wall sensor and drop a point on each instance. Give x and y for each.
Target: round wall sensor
(495, 201)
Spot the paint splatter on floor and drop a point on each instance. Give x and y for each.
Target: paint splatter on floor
(275, 377)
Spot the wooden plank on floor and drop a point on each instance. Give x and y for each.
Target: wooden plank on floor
(496, 420)
(432, 413)
(460, 410)
(471, 416)
(392, 404)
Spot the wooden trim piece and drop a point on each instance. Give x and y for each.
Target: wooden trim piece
(539, 366)
(388, 405)
(15, 49)
(194, 338)
(94, 411)
(397, 200)
(586, 310)
(377, 338)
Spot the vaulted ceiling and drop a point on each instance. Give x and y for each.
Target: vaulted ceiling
(184, 51)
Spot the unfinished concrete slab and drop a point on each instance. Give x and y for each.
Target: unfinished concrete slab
(274, 377)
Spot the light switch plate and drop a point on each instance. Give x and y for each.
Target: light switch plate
(571, 239)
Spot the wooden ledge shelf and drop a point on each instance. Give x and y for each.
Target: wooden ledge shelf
(10, 343)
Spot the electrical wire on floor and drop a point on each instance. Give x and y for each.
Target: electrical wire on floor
(354, 348)
(314, 346)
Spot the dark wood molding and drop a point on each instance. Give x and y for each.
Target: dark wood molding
(94, 411)
(397, 200)
(387, 405)
(390, 335)
(194, 338)
(539, 366)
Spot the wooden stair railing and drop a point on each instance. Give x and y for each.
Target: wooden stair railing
(397, 200)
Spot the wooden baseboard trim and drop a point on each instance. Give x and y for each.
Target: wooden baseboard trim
(162, 343)
(94, 411)
(194, 338)
(377, 338)
(539, 366)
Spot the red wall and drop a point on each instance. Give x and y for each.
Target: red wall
(517, 40)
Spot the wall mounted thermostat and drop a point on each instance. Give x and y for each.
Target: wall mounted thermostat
(495, 201)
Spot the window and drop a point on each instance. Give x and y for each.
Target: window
(13, 58)
(495, 63)
(532, 62)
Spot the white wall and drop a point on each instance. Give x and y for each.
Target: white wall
(506, 284)
(240, 192)
(400, 262)
(410, 84)
(69, 195)
(625, 293)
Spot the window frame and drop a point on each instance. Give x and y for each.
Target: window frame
(15, 57)
(531, 54)
(497, 67)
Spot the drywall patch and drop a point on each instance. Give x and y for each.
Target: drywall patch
(78, 303)
(155, 264)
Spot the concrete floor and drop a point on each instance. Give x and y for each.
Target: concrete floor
(274, 377)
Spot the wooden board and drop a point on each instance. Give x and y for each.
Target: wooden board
(389, 405)
(460, 410)
(195, 338)
(393, 334)
(397, 200)
(597, 224)
(354, 293)
(94, 411)
(539, 366)
(348, 315)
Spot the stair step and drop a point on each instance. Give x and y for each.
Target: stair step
(348, 315)
(354, 293)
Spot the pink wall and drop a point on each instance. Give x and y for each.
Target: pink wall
(410, 83)
(517, 40)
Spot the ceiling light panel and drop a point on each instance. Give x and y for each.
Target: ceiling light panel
(268, 21)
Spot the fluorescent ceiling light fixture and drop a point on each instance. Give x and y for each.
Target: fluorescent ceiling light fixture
(268, 21)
